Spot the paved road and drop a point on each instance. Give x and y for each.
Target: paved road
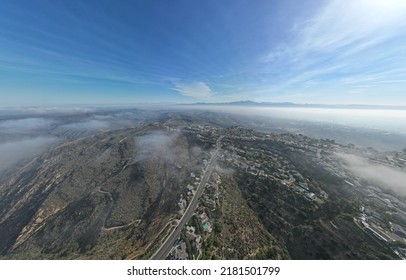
(166, 247)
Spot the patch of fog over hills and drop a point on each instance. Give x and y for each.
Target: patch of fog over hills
(26, 125)
(25, 134)
(90, 124)
(389, 178)
(157, 145)
(12, 152)
(152, 144)
(22, 139)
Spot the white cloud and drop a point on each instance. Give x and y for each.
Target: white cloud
(197, 90)
(343, 28)
(345, 44)
(360, 24)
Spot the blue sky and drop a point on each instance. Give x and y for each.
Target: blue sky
(131, 52)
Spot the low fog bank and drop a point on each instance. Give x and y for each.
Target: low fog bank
(155, 144)
(90, 124)
(387, 120)
(26, 134)
(390, 178)
(57, 123)
(39, 112)
(384, 130)
(24, 126)
(12, 152)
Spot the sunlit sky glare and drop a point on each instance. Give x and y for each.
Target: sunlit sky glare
(121, 52)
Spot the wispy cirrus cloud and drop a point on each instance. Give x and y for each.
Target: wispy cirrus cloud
(346, 27)
(198, 90)
(355, 24)
(359, 41)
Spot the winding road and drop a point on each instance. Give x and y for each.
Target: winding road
(107, 229)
